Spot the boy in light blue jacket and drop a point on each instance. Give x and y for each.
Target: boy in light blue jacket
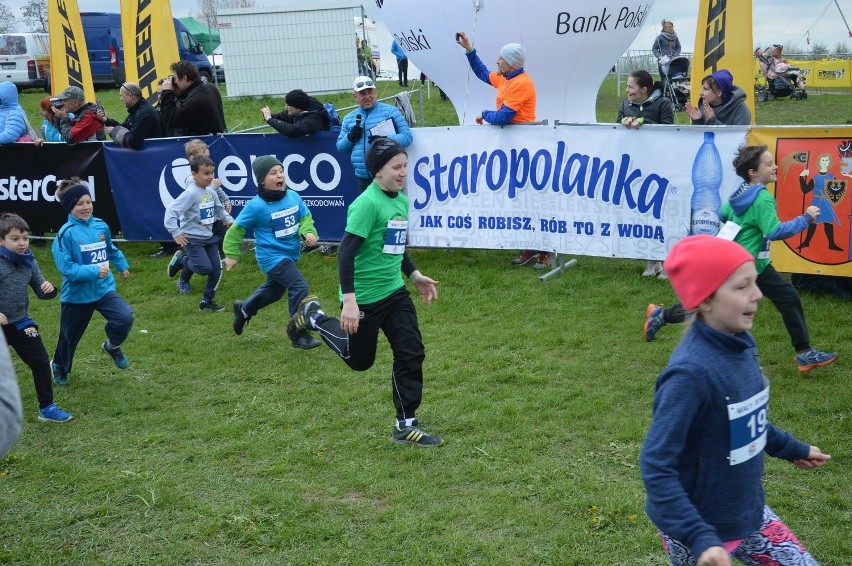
(83, 251)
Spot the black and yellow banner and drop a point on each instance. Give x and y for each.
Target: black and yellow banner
(150, 45)
(69, 60)
(723, 40)
(814, 169)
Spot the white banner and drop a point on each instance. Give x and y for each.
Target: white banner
(570, 45)
(599, 190)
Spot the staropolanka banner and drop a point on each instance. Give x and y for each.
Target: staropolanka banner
(69, 59)
(150, 45)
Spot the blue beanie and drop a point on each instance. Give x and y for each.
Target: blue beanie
(725, 80)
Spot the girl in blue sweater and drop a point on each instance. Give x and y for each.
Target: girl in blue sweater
(702, 460)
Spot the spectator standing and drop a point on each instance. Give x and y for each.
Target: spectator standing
(303, 115)
(367, 57)
(142, 120)
(722, 103)
(370, 120)
(78, 119)
(13, 119)
(189, 106)
(665, 48)
(401, 63)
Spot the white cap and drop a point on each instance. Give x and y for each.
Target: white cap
(363, 83)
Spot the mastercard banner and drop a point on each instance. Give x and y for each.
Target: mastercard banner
(814, 169)
(69, 59)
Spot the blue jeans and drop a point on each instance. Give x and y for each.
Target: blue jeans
(75, 317)
(283, 277)
(202, 257)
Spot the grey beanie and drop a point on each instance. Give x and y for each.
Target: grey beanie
(381, 151)
(262, 165)
(514, 54)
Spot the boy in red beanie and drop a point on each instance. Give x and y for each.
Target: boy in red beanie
(703, 457)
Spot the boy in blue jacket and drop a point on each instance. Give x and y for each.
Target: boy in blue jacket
(279, 218)
(83, 251)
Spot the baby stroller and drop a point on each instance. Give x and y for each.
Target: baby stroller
(781, 79)
(676, 81)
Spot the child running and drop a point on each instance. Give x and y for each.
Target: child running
(751, 209)
(83, 251)
(189, 219)
(371, 261)
(279, 218)
(19, 270)
(702, 459)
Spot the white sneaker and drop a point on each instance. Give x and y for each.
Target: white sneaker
(652, 268)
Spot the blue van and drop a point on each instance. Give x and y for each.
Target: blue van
(105, 45)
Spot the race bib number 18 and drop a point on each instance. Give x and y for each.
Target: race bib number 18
(395, 237)
(748, 421)
(94, 254)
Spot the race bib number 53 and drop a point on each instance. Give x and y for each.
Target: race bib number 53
(748, 421)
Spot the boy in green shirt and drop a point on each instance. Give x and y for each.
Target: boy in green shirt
(371, 261)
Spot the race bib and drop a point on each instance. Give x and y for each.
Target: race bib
(285, 222)
(207, 212)
(748, 422)
(395, 237)
(94, 254)
(729, 231)
(764, 250)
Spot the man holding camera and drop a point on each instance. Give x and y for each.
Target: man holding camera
(189, 106)
(142, 120)
(78, 119)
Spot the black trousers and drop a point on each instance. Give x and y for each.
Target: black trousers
(402, 67)
(396, 317)
(29, 347)
(785, 298)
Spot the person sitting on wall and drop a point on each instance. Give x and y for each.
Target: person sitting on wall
(190, 106)
(142, 120)
(303, 115)
(78, 119)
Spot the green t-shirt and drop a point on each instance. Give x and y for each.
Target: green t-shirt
(383, 223)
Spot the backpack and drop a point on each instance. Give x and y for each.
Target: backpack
(333, 118)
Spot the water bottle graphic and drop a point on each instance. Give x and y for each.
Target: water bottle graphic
(706, 203)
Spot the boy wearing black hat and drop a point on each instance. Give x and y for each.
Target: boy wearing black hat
(304, 115)
(371, 261)
(279, 219)
(83, 251)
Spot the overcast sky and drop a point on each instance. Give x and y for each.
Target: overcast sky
(775, 21)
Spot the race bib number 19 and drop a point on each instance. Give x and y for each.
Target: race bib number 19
(748, 422)
(395, 237)
(94, 254)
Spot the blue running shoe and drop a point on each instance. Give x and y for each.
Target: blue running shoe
(812, 358)
(183, 286)
(175, 264)
(654, 320)
(59, 376)
(118, 357)
(53, 414)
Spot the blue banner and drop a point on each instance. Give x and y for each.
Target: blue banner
(145, 182)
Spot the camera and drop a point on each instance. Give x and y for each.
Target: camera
(56, 103)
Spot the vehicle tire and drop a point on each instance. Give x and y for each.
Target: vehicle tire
(206, 76)
(761, 96)
(804, 95)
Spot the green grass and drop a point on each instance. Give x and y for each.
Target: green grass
(217, 449)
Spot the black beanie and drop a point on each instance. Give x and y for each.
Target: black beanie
(69, 198)
(261, 166)
(298, 99)
(381, 151)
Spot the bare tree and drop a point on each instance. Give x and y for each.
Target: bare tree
(35, 15)
(7, 19)
(840, 48)
(206, 12)
(819, 48)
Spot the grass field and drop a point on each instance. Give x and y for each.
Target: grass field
(217, 449)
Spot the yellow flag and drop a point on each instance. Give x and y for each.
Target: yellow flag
(69, 60)
(723, 40)
(150, 44)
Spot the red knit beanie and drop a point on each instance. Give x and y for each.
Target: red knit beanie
(698, 265)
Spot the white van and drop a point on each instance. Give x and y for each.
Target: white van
(25, 60)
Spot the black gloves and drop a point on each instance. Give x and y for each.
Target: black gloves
(355, 133)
